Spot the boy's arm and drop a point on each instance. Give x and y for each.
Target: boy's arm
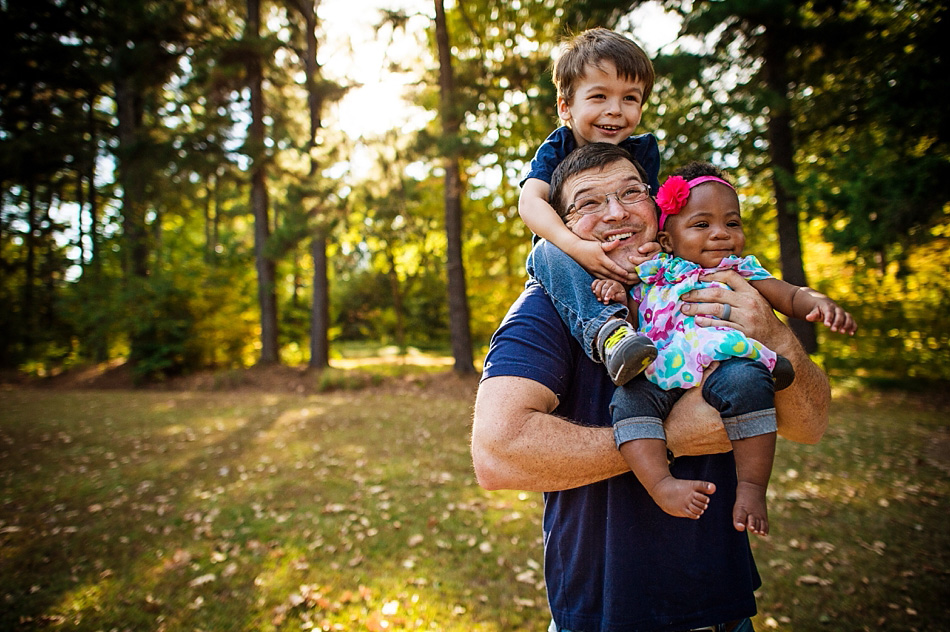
(544, 221)
(806, 304)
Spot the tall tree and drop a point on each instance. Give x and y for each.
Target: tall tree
(266, 268)
(316, 95)
(451, 124)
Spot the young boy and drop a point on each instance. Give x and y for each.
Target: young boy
(603, 80)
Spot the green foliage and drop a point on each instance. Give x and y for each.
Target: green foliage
(160, 324)
(867, 117)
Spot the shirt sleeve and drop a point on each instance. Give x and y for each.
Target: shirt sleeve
(646, 151)
(531, 342)
(552, 151)
(748, 267)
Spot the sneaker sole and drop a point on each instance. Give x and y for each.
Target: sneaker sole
(630, 370)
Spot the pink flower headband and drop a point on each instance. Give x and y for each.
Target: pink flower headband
(672, 196)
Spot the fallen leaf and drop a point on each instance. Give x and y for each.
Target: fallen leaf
(812, 580)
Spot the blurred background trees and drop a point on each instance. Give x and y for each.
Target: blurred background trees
(176, 189)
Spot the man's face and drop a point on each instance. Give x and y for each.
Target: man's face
(633, 225)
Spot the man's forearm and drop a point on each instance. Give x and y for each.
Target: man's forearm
(802, 408)
(518, 444)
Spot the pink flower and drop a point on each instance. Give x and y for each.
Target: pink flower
(672, 196)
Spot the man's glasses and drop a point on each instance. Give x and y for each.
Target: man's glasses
(590, 204)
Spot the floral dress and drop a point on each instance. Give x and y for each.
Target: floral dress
(686, 349)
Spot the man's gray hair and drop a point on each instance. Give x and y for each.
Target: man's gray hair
(592, 156)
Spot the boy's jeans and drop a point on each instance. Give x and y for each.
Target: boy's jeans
(569, 286)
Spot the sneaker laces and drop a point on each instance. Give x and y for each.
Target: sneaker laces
(616, 336)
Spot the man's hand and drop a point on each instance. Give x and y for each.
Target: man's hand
(802, 408)
(593, 257)
(748, 311)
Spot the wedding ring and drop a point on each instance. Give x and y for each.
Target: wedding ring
(726, 311)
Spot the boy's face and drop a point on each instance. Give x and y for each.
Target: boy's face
(605, 108)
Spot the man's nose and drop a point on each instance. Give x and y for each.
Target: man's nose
(614, 210)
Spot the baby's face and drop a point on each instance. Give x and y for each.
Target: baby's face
(708, 228)
(605, 108)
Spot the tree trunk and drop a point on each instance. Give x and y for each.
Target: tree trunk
(91, 180)
(209, 246)
(397, 298)
(782, 156)
(266, 270)
(320, 307)
(29, 285)
(80, 206)
(458, 299)
(132, 178)
(320, 311)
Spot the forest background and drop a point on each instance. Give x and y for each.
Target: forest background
(177, 189)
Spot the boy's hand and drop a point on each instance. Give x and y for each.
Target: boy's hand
(592, 256)
(609, 291)
(830, 314)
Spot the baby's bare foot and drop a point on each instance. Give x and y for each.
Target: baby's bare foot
(682, 498)
(750, 511)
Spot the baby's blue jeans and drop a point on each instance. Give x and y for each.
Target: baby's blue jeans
(742, 390)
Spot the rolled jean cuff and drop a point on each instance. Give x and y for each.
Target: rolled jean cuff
(758, 422)
(634, 428)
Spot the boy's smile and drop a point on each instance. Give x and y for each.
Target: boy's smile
(605, 108)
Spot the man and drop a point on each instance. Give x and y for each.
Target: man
(614, 561)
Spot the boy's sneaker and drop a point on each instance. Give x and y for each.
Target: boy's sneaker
(783, 374)
(625, 353)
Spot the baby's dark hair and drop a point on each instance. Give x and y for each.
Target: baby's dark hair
(697, 169)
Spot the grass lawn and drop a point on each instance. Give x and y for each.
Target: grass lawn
(358, 510)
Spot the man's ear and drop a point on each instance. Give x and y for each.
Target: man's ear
(563, 110)
(666, 243)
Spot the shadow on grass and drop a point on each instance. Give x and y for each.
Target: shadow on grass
(358, 510)
(244, 511)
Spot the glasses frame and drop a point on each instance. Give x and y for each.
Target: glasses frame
(642, 187)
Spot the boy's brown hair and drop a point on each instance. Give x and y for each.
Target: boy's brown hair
(592, 47)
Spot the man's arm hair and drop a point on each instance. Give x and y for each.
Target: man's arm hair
(518, 444)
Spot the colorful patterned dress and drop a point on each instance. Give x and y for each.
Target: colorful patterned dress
(686, 349)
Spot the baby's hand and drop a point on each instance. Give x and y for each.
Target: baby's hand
(593, 258)
(644, 253)
(609, 291)
(831, 315)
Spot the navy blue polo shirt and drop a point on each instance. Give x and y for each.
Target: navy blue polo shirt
(613, 560)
